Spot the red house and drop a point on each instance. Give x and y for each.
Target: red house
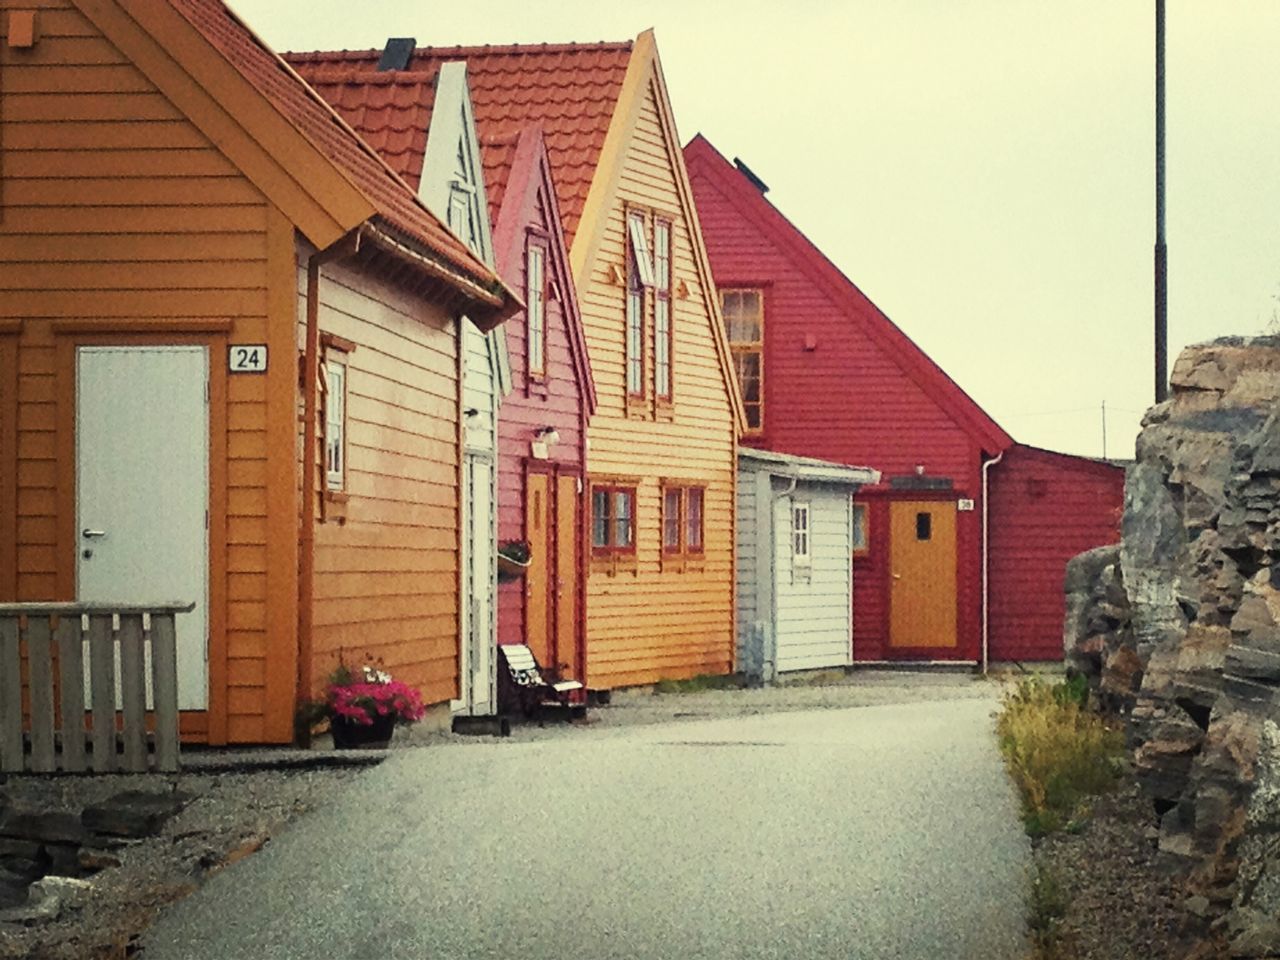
(961, 549)
(542, 427)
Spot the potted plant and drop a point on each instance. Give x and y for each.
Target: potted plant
(514, 558)
(364, 706)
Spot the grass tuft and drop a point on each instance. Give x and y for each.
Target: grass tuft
(1058, 753)
(1046, 911)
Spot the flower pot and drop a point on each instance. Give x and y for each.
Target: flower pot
(349, 735)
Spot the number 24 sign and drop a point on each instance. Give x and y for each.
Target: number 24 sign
(248, 358)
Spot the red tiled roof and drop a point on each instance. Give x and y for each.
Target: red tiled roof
(497, 154)
(391, 111)
(396, 204)
(571, 90)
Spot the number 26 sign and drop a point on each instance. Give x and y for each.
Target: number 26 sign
(248, 358)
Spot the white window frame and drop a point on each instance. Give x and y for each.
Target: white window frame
(860, 522)
(536, 308)
(801, 534)
(335, 421)
(640, 248)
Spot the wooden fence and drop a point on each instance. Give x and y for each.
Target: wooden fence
(97, 677)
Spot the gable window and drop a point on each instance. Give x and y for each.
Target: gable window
(613, 519)
(639, 276)
(536, 309)
(861, 535)
(460, 220)
(662, 308)
(744, 322)
(335, 420)
(800, 531)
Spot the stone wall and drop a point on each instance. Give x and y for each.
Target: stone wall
(1193, 660)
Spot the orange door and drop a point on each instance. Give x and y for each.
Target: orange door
(567, 578)
(922, 569)
(538, 578)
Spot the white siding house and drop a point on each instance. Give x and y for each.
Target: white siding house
(795, 562)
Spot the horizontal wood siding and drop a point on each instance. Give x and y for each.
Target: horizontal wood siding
(813, 628)
(555, 400)
(747, 572)
(120, 216)
(850, 400)
(1045, 509)
(386, 559)
(650, 620)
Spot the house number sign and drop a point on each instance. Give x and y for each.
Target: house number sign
(248, 358)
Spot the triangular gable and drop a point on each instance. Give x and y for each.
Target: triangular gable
(704, 160)
(452, 184)
(644, 76)
(282, 136)
(519, 171)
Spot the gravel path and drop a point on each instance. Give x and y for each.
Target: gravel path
(231, 816)
(887, 831)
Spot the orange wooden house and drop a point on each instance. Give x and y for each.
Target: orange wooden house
(206, 273)
(662, 440)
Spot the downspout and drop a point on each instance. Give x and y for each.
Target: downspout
(347, 246)
(986, 558)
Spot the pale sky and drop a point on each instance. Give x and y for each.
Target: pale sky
(982, 169)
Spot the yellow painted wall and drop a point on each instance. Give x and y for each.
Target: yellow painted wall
(652, 619)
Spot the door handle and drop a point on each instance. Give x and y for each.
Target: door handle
(91, 534)
(897, 576)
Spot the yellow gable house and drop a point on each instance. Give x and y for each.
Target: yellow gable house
(662, 443)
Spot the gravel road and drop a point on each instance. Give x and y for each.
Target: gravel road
(880, 832)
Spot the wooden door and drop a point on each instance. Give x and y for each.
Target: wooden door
(567, 546)
(922, 570)
(142, 490)
(538, 578)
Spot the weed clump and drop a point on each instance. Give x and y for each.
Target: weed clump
(1058, 753)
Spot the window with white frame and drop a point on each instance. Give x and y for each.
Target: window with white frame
(662, 334)
(536, 306)
(861, 535)
(639, 277)
(335, 420)
(800, 535)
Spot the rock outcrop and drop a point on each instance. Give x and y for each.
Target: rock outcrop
(1198, 644)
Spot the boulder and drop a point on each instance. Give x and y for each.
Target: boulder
(132, 813)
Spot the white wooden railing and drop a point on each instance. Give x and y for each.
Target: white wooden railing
(114, 665)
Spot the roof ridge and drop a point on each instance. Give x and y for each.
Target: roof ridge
(574, 46)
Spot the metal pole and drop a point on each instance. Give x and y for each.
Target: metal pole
(1161, 252)
(1104, 429)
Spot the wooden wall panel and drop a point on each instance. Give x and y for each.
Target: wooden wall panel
(386, 559)
(121, 219)
(631, 639)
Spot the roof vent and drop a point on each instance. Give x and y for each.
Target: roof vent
(396, 54)
(746, 172)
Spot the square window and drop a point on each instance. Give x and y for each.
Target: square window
(613, 519)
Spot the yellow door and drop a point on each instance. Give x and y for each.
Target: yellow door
(922, 569)
(537, 578)
(567, 578)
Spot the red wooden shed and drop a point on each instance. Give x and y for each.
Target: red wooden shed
(825, 374)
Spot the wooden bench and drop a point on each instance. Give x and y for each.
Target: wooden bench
(534, 691)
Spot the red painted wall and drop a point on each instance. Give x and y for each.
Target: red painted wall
(1045, 509)
(841, 382)
(847, 399)
(560, 399)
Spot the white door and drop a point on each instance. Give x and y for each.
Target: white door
(142, 489)
(478, 694)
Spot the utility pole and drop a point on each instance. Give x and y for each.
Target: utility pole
(1161, 265)
(1104, 429)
